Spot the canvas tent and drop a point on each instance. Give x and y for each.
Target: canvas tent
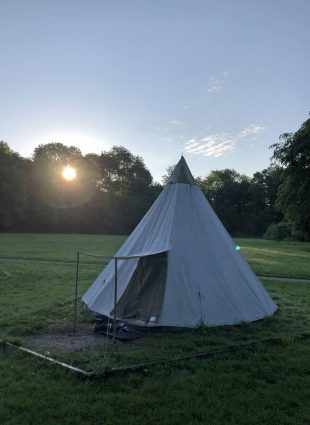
(180, 267)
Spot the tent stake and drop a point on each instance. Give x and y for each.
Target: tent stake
(115, 299)
(76, 288)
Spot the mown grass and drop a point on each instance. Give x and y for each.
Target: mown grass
(34, 295)
(269, 258)
(34, 306)
(57, 247)
(290, 321)
(267, 385)
(282, 259)
(260, 387)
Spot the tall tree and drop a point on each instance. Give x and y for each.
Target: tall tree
(54, 200)
(293, 152)
(263, 194)
(228, 193)
(13, 189)
(122, 172)
(127, 185)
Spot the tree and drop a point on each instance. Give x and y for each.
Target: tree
(54, 201)
(13, 189)
(123, 172)
(244, 205)
(263, 194)
(169, 171)
(127, 188)
(293, 152)
(228, 193)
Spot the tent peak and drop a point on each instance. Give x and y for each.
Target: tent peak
(181, 173)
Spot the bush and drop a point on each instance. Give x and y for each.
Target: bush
(277, 232)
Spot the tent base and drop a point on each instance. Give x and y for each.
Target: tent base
(124, 332)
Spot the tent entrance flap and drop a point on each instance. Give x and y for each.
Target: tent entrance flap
(144, 294)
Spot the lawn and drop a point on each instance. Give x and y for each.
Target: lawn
(283, 259)
(264, 385)
(268, 258)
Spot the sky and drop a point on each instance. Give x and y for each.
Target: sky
(217, 80)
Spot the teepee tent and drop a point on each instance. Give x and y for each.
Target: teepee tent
(180, 267)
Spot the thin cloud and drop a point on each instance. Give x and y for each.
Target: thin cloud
(251, 129)
(177, 123)
(215, 85)
(215, 145)
(225, 74)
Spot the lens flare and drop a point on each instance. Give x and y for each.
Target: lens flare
(238, 248)
(69, 173)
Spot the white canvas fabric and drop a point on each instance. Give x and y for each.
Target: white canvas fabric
(208, 281)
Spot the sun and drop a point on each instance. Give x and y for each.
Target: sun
(69, 173)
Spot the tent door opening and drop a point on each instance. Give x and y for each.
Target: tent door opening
(143, 297)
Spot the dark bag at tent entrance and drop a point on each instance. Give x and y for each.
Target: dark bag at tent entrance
(124, 331)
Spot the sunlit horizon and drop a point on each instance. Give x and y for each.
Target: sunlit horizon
(83, 140)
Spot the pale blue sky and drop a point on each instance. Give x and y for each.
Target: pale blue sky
(219, 80)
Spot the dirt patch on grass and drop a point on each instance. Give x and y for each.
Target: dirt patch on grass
(62, 338)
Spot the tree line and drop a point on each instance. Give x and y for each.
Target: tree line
(112, 191)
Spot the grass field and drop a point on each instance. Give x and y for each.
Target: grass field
(268, 258)
(283, 259)
(265, 385)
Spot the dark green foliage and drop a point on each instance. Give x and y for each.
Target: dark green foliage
(122, 172)
(169, 171)
(55, 203)
(114, 190)
(263, 195)
(125, 189)
(293, 152)
(13, 189)
(245, 206)
(110, 194)
(228, 193)
(277, 232)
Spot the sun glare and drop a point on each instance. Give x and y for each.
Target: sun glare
(69, 173)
